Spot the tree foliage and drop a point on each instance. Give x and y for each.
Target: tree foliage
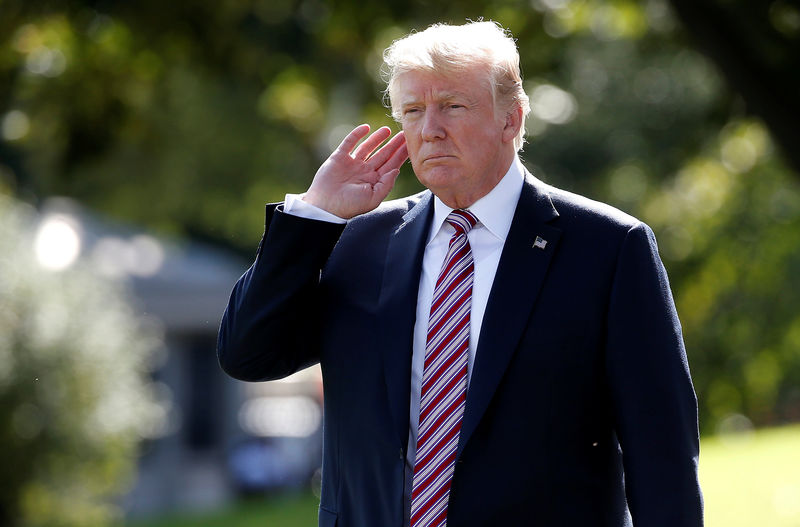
(188, 116)
(74, 401)
(756, 46)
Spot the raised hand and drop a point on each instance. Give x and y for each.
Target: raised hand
(354, 180)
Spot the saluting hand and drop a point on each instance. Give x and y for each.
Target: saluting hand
(353, 180)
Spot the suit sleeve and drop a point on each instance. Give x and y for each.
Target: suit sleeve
(270, 328)
(654, 401)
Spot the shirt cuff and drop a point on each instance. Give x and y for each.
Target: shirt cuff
(295, 206)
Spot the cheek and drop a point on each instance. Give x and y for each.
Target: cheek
(413, 148)
(412, 144)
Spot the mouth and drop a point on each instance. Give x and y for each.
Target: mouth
(437, 157)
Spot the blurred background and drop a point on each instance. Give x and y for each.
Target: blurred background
(139, 142)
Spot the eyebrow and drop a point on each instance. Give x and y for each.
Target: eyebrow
(441, 96)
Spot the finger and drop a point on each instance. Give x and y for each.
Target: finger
(371, 143)
(353, 138)
(377, 160)
(397, 159)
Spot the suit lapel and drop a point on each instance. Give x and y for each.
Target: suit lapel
(398, 305)
(520, 274)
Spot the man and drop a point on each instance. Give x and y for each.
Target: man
(494, 351)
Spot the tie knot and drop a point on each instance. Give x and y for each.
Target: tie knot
(462, 220)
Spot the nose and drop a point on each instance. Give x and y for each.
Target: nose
(432, 125)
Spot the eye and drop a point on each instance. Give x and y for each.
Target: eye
(454, 107)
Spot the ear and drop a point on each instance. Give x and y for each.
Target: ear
(513, 123)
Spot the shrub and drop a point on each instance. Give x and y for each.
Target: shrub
(74, 395)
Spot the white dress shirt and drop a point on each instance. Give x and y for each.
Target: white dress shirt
(495, 212)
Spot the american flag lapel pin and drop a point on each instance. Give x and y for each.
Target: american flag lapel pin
(540, 243)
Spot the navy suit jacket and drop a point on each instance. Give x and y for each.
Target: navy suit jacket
(580, 410)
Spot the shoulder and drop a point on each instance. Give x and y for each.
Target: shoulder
(601, 236)
(388, 213)
(591, 225)
(576, 207)
(400, 205)
(574, 211)
(366, 237)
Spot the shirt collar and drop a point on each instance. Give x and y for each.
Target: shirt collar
(495, 210)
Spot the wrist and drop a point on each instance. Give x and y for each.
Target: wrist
(295, 205)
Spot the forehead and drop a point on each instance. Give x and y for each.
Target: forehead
(421, 85)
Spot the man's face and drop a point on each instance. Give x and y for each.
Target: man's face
(458, 145)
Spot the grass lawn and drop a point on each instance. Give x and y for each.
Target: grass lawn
(286, 511)
(752, 480)
(748, 481)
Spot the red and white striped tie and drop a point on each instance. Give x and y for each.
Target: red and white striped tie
(444, 379)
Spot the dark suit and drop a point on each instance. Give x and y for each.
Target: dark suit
(580, 359)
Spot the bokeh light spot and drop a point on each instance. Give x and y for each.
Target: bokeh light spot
(289, 416)
(57, 243)
(552, 104)
(16, 125)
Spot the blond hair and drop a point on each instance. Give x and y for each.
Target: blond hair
(447, 49)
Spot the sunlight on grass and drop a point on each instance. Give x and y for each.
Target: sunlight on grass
(752, 479)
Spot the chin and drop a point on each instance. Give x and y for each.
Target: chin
(438, 177)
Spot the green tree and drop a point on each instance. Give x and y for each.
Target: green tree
(74, 400)
(756, 46)
(188, 116)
